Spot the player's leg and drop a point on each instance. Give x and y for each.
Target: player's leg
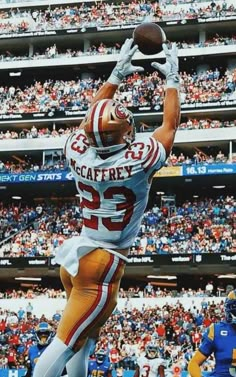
(91, 301)
(53, 360)
(57, 352)
(77, 366)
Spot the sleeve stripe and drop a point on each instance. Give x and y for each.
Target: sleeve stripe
(154, 160)
(211, 333)
(66, 143)
(154, 146)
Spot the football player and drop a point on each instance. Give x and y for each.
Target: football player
(113, 172)
(101, 366)
(219, 340)
(43, 336)
(150, 364)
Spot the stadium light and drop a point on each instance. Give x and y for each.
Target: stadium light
(28, 278)
(167, 277)
(218, 187)
(160, 193)
(16, 197)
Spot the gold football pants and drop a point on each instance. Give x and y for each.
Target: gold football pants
(92, 296)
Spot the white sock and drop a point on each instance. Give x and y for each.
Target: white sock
(53, 360)
(78, 364)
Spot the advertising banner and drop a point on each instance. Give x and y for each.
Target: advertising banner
(24, 262)
(69, 113)
(13, 372)
(144, 260)
(186, 259)
(58, 176)
(211, 169)
(169, 171)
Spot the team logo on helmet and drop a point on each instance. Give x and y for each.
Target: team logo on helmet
(121, 112)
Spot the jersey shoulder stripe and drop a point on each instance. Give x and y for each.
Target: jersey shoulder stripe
(153, 146)
(156, 151)
(67, 143)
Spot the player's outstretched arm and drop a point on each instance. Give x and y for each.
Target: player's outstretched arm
(123, 68)
(194, 364)
(171, 118)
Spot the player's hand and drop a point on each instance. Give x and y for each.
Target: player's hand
(171, 67)
(124, 67)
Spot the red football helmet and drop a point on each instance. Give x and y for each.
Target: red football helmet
(109, 126)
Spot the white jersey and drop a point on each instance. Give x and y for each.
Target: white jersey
(114, 191)
(114, 194)
(149, 367)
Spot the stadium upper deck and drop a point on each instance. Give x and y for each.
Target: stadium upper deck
(48, 91)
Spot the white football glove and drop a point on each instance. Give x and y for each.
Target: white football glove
(124, 66)
(171, 68)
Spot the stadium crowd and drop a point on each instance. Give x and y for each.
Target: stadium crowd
(176, 328)
(198, 226)
(137, 90)
(199, 157)
(15, 217)
(141, 290)
(162, 2)
(45, 132)
(102, 14)
(54, 52)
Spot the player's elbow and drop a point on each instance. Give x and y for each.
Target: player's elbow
(168, 141)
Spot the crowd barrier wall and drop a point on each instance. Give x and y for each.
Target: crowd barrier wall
(48, 307)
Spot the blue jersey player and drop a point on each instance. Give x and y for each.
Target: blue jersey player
(43, 336)
(101, 367)
(219, 340)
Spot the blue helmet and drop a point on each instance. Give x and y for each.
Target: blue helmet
(43, 333)
(100, 356)
(230, 307)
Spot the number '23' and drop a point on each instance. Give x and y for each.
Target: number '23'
(108, 194)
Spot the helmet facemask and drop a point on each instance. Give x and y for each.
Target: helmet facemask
(151, 351)
(43, 334)
(100, 356)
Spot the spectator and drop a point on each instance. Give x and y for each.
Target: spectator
(29, 310)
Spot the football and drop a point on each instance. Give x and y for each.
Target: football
(149, 38)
